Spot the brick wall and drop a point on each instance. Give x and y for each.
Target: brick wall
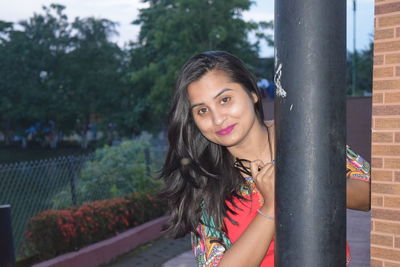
(385, 232)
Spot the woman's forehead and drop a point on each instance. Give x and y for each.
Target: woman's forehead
(210, 85)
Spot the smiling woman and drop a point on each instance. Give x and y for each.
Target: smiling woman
(219, 172)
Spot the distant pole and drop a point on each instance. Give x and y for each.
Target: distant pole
(7, 257)
(354, 59)
(310, 117)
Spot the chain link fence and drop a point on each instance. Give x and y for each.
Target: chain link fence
(29, 187)
(35, 186)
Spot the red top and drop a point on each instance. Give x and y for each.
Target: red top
(246, 211)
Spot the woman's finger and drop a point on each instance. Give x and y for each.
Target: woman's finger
(255, 167)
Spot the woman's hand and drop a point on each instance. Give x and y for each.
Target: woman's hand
(264, 178)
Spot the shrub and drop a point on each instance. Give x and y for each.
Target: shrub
(114, 172)
(54, 232)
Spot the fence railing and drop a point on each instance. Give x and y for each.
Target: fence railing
(58, 183)
(29, 187)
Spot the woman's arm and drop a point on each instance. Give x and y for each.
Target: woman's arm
(358, 190)
(252, 245)
(358, 195)
(250, 248)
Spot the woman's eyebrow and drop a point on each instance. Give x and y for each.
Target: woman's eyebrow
(217, 95)
(222, 91)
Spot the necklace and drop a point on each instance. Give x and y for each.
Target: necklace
(239, 163)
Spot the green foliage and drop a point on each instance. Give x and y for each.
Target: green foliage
(54, 232)
(56, 70)
(113, 172)
(68, 73)
(363, 68)
(171, 32)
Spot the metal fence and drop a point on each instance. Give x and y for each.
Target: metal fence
(57, 183)
(30, 187)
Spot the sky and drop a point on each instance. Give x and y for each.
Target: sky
(125, 11)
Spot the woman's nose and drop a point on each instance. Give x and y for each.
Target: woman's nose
(218, 117)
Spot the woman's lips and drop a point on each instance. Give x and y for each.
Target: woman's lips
(226, 130)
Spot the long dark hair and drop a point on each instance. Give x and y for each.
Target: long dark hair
(199, 174)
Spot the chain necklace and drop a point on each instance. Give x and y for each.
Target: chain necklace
(239, 163)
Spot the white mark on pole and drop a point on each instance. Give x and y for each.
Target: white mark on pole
(291, 106)
(277, 80)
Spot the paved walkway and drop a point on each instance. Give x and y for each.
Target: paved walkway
(176, 253)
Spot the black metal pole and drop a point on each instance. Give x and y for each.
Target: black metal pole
(7, 256)
(310, 71)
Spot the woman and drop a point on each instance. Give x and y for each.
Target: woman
(219, 171)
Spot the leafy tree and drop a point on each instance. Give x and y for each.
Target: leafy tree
(94, 69)
(171, 32)
(54, 70)
(30, 59)
(364, 65)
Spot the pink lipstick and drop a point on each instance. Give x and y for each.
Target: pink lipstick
(226, 130)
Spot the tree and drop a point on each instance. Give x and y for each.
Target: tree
(94, 69)
(57, 73)
(364, 64)
(30, 57)
(171, 32)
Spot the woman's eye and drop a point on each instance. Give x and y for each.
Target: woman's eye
(202, 111)
(225, 100)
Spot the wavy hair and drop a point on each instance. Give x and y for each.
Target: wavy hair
(199, 174)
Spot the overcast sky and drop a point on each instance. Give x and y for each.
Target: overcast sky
(125, 11)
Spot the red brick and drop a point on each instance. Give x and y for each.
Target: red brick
(383, 72)
(380, 137)
(388, 21)
(390, 189)
(377, 98)
(391, 202)
(387, 46)
(387, 123)
(393, 58)
(386, 84)
(397, 71)
(376, 201)
(386, 110)
(384, 34)
(382, 175)
(392, 97)
(377, 163)
(397, 137)
(397, 177)
(392, 264)
(386, 214)
(378, 59)
(382, 240)
(391, 163)
(387, 8)
(398, 32)
(385, 253)
(374, 262)
(397, 242)
(386, 150)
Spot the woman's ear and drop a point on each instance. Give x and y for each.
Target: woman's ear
(255, 97)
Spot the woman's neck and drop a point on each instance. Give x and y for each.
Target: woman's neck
(256, 145)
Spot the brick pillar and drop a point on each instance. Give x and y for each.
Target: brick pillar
(385, 232)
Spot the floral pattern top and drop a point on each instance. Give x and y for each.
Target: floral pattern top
(210, 243)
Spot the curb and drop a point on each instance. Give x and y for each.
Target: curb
(106, 250)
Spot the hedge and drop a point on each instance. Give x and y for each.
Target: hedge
(55, 232)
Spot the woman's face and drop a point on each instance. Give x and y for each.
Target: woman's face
(222, 110)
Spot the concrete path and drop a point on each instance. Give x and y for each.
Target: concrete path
(358, 236)
(177, 253)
